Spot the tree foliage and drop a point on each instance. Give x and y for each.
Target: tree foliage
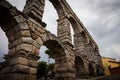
(50, 55)
(44, 69)
(41, 71)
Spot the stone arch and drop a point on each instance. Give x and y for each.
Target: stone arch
(14, 24)
(63, 67)
(80, 67)
(74, 24)
(26, 33)
(91, 69)
(59, 8)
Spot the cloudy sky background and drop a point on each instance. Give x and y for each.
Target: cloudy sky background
(100, 17)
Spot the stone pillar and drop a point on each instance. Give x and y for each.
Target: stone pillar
(35, 9)
(80, 50)
(65, 66)
(21, 60)
(19, 66)
(80, 44)
(64, 33)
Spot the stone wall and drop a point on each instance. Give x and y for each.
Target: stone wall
(26, 34)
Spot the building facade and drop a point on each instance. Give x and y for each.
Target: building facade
(110, 65)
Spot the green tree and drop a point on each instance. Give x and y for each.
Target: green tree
(41, 70)
(50, 55)
(50, 70)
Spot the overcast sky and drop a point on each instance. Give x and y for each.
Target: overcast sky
(100, 17)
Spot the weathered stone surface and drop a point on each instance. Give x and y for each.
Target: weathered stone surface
(44, 37)
(41, 30)
(36, 44)
(30, 77)
(11, 32)
(19, 60)
(33, 70)
(34, 36)
(20, 19)
(11, 38)
(25, 47)
(32, 63)
(39, 41)
(26, 34)
(20, 69)
(5, 70)
(28, 40)
(15, 76)
(35, 50)
(12, 51)
(21, 26)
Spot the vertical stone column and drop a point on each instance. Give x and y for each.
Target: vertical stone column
(63, 30)
(80, 44)
(99, 65)
(19, 66)
(21, 60)
(80, 49)
(34, 9)
(64, 67)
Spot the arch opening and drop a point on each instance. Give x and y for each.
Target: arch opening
(91, 70)
(49, 17)
(59, 56)
(5, 22)
(3, 45)
(80, 68)
(45, 64)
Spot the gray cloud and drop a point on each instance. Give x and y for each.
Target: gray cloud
(102, 19)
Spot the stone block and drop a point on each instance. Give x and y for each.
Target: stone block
(19, 60)
(20, 69)
(34, 36)
(41, 30)
(28, 40)
(35, 50)
(14, 11)
(44, 37)
(5, 70)
(32, 63)
(33, 70)
(24, 33)
(10, 45)
(16, 42)
(12, 51)
(24, 47)
(21, 26)
(36, 32)
(39, 41)
(15, 76)
(11, 38)
(32, 29)
(11, 32)
(36, 44)
(20, 19)
(30, 77)
(29, 23)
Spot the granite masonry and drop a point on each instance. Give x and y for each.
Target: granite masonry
(27, 32)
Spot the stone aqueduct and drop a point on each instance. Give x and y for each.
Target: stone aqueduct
(26, 34)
